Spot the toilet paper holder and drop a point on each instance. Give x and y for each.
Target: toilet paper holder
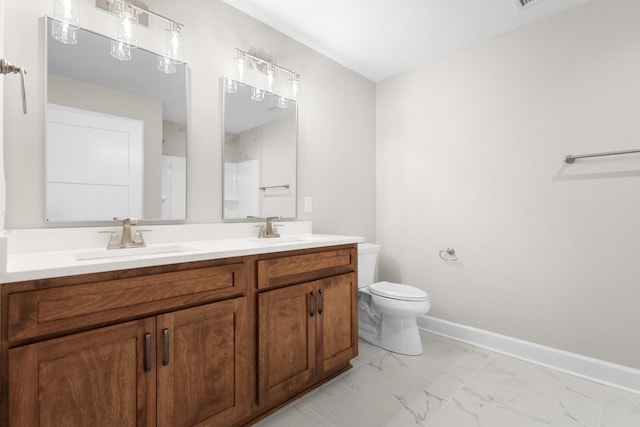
(448, 254)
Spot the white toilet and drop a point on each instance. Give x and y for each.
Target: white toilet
(387, 311)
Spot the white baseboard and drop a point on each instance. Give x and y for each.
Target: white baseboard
(600, 371)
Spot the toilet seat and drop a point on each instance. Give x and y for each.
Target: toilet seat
(398, 291)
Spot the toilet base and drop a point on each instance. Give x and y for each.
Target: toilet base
(400, 335)
(396, 334)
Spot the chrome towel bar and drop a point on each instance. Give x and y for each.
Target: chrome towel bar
(570, 159)
(274, 186)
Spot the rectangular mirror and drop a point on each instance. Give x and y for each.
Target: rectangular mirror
(260, 153)
(116, 134)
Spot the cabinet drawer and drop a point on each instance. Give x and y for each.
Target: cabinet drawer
(286, 270)
(58, 309)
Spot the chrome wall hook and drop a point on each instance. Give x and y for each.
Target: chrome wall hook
(8, 68)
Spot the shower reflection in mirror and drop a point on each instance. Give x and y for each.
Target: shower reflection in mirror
(260, 151)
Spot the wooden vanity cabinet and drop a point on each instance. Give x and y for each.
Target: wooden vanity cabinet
(180, 367)
(307, 331)
(208, 343)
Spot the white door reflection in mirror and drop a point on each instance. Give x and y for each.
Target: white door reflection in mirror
(94, 166)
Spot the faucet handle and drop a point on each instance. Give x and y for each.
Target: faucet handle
(113, 239)
(138, 240)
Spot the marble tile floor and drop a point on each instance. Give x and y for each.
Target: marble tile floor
(456, 385)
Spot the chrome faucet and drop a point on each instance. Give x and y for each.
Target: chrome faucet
(126, 241)
(269, 230)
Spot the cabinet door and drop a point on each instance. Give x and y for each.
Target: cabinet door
(202, 365)
(286, 341)
(96, 378)
(337, 322)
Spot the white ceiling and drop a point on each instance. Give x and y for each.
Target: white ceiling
(382, 38)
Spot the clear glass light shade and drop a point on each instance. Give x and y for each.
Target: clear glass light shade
(166, 65)
(175, 43)
(242, 68)
(230, 86)
(295, 87)
(282, 102)
(64, 32)
(257, 94)
(120, 50)
(271, 78)
(127, 26)
(66, 15)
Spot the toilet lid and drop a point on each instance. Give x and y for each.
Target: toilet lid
(398, 291)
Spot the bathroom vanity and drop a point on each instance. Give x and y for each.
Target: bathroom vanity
(208, 337)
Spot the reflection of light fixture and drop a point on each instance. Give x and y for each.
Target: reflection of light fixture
(66, 20)
(120, 50)
(282, 102)
(271, 72)
(166, 65)
(257, 94)
(127, 26)
(230, 86)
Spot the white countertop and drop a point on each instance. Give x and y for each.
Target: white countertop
(23, 266)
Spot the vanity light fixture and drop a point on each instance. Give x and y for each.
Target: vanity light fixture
(271, 73)
(66, 20)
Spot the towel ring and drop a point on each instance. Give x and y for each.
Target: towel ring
(448, 254)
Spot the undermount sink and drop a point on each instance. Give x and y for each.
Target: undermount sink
(128, 252)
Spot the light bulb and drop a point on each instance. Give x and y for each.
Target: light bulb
(174, 42)
(242, 65)
(271, 77)
(127, 26)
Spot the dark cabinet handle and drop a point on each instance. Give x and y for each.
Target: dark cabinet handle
(313, 304)
(147, 352)
(165, 357)
(320, 291)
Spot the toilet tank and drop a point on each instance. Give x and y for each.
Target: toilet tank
(367, 263)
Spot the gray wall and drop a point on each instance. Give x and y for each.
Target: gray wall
(336, 157)
(470, 155)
